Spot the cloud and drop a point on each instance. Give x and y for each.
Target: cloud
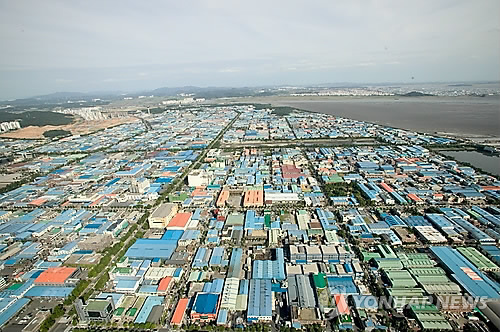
(62, 80)
(230, 70)
(207, 40)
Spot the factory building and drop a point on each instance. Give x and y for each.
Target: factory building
(162, 215)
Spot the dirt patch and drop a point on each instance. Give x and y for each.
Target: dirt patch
(80, 127)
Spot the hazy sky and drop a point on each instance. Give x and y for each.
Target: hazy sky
(49, 46)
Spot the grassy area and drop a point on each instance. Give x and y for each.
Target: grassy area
(346, 189)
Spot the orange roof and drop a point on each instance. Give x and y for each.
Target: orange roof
(180, 220)
(179, 311)
(97, 201)
(55, 275)
(223, 196)
(254, 198)
(38, 201)
(414, 197)
(163, 286)
(386, 187)
(168, 174)
(490, 187)
(342, 307)
(198, 192)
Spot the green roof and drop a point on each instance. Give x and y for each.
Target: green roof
(426, 307)
(367, 255)
(119, 311)
(131, 312)
(389, 263)
(15, 286)
(123, 270)
(400, 278)
(427, 271)
(97, 305)
(319, 280)
(335, 178)
(386, 251)
(478, 259)
(405, 292)
(235, 219)
(267, 220)
(178, 198)
(315, 231)
(437, 279)
(429, 317)
(55, 230)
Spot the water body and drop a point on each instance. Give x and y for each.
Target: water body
(489, 163)
(462, 116)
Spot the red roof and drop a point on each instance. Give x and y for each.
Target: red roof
(291, 172)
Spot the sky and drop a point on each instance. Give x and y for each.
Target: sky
(87, 46)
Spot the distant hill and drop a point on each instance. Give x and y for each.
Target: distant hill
(416, 94)
(36, 118)
(209, 92)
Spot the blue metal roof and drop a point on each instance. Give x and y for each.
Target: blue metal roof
(151, 248)
(148, 305)
(341, 285)
(270, 269)
(222, 317)
(48, 291)
(235, 263)
(259, 299)
(13, 309)
(205, 303)
(466, 274)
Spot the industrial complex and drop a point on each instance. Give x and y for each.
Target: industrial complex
(240, 217)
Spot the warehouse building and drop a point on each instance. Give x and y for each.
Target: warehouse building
(260, 301)
(205, 307)
(179, 221)
(301, 291)
(179, 313)
(162, 215)
(270, 269)
(478, 259)
(429, 318)
(475, 282)
(58, 276)
(230, 294)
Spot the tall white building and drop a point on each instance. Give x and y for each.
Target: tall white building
(9, 125)
(199, 178)
(139, 186)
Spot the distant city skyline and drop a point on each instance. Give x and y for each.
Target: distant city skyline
(129, 46)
